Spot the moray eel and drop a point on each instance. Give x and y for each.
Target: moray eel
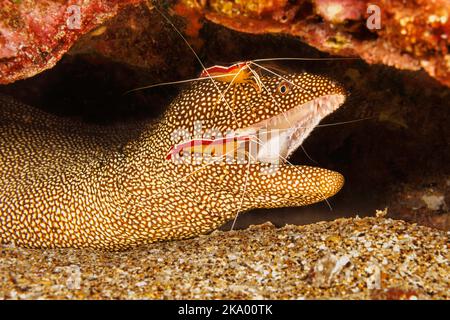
(68, 184)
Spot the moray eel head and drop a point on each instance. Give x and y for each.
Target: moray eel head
(277, 117)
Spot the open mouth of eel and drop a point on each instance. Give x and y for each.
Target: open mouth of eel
(269, 141)
(278, 137)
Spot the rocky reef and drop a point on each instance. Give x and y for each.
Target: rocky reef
(34, 35)
(408, 35)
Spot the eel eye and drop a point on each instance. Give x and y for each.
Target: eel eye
(283, 87)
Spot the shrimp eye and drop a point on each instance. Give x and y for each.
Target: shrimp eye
(283, 87)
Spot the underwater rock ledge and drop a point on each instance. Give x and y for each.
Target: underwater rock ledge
(413, 35)
(34, 35)
(370, 258)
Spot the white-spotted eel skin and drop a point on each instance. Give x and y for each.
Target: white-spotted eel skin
(68, 184)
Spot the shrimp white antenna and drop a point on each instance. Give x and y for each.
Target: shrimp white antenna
(306, 59)
(196, 56)
(178, 82)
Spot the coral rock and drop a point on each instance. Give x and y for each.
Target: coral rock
(35, 34)
(412, 34)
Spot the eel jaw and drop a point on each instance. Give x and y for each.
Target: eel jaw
(285, 132)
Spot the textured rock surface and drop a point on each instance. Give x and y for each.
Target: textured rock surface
(413, 34)
(371, 258)
(35, 34)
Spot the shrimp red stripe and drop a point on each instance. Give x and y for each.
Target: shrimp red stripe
(189, 145)
(218, 70)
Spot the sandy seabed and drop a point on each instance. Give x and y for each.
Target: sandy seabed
(369, 258)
